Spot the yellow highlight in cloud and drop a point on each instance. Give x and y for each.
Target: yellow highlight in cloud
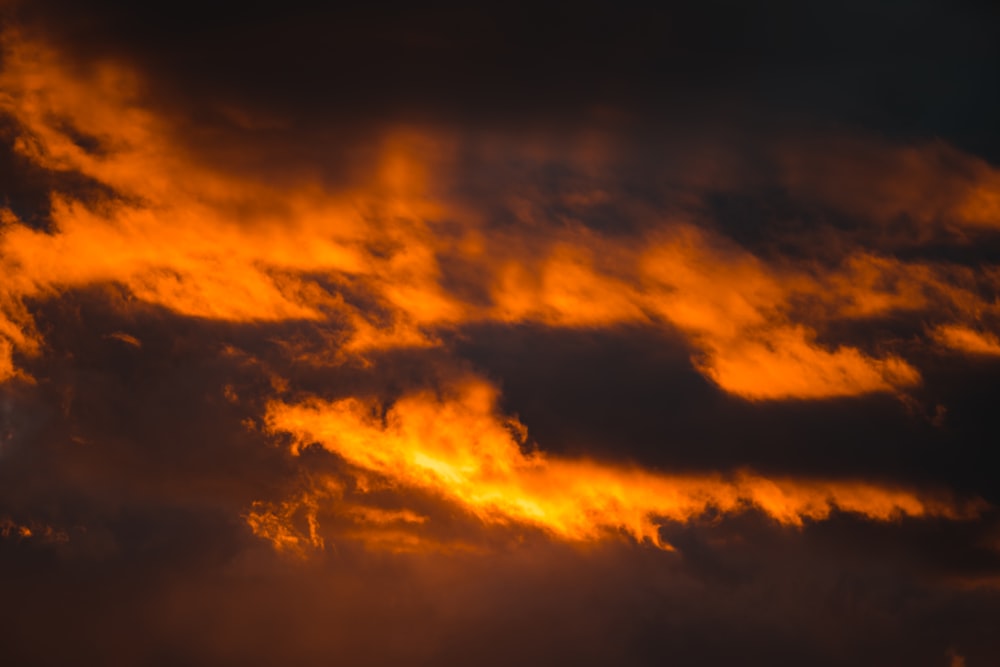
(459, 448)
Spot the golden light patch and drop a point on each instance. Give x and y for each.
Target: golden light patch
(204, 241)
(458, 447)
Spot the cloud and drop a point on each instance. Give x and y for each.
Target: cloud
(968, 340)
(203, 242)
(456, 446)
(281, 308)
(10, 529)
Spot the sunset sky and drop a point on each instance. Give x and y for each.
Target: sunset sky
(497, 334)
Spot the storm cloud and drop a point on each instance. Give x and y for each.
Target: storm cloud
(453, 334)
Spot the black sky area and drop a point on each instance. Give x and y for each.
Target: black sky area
(903, 69)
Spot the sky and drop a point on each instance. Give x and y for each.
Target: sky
(487, 333)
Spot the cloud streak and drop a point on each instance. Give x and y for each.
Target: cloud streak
(204, 243)
(456, 446)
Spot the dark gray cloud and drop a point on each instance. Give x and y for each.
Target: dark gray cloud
(130, 459)
(905, 69)
(134, 453)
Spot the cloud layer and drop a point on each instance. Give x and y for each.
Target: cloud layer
(295, 357)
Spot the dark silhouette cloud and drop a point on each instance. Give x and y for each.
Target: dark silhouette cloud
(452, 334)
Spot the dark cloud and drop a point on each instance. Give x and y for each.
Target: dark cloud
(906, 69)
(828, 167)
(637, 396)
(158, 568)
(725, 597)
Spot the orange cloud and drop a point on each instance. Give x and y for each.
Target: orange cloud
(966, 339)
(369, 257)
(200, 241)
(276, 523)
(736, 310)
(458, 447)
(788, 364)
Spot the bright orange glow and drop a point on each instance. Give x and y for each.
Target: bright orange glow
(210, 241)
(199, 241)
(459, 448)
(787, 364)
(735, 309)
(968, 340)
